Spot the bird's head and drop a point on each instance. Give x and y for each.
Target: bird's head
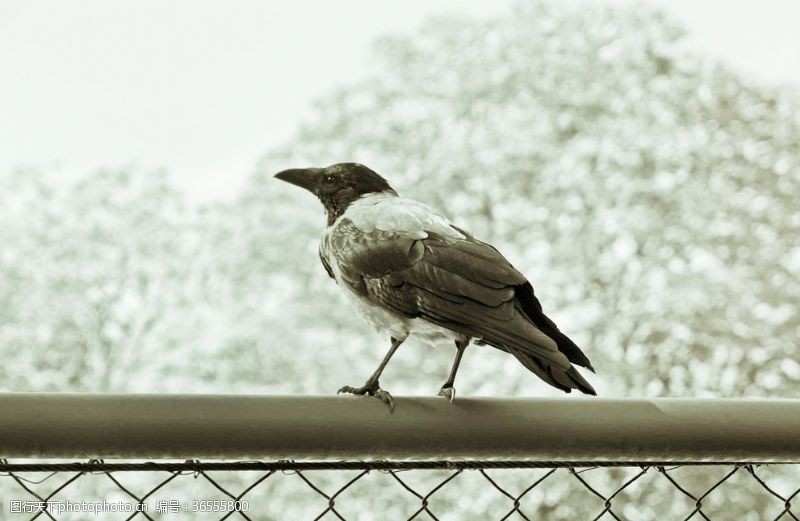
(337, 185)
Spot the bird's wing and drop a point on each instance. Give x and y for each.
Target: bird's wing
(454, 281)
(326, 265)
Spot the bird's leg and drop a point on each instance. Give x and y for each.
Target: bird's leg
(372, 387)
(448, 391)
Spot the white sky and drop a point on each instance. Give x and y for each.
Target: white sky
(204, 87)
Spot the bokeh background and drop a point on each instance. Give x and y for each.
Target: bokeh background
(640, 162)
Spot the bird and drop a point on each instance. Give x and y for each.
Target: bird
(409, 270)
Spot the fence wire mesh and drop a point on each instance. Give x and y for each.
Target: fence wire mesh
(396, 490)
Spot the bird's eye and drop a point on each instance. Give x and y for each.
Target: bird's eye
(329, 179)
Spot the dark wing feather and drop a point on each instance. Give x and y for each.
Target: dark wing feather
(461, 284)
(326, 265)
(473, 259)
(466, 286)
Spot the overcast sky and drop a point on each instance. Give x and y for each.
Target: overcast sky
(204, 87)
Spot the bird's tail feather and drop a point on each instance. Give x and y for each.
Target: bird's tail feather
(566, 380)
(568, 347)
(532, 308)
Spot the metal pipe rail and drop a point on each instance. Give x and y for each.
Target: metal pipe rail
(44, 425)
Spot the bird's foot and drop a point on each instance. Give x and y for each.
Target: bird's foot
(370, 389)
(448, 392)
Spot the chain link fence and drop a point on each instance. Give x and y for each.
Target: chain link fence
(360, 490)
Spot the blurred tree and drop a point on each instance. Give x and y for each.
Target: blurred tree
(91, 273)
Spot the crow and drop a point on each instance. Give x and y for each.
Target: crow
(407, 269)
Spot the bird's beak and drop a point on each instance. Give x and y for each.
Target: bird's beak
(303, 177)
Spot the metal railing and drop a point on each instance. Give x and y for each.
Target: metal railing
(260, 457)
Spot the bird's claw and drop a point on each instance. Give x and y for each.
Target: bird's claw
(386, 398)
(355, 390)
(370, 389)
(448, 392)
